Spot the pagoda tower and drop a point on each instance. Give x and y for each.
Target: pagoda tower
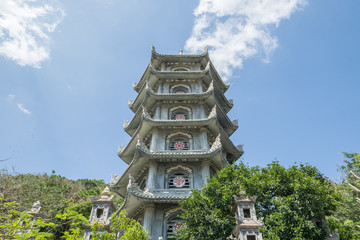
(179, 139)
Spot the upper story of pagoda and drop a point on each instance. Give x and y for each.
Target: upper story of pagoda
(161, 77)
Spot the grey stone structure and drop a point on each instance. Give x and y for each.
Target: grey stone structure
(179, 139)
(247, 225)
(102, 208)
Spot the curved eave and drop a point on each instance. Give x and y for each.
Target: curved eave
(131, 205)
(158, 197)
(157, 58)
(148, 123)
(213, 153)
(209, 74)
(142, 156)
(228, 145)
(137, 86)
(215, 75)
(140, 118)
(148, 98)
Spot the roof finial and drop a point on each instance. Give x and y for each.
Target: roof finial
(181, 52)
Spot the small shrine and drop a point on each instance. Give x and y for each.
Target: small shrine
(102, 208)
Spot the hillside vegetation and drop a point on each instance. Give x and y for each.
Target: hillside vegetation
(54, 192)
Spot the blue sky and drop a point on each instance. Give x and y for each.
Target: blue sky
(67, 69)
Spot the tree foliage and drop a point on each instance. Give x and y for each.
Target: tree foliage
(289, 201)
(347, 216)
(15, 224)
(65, 202)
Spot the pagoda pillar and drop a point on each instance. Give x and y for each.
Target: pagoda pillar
(154, 140)
(158, 113)
(151, 179)
(204, 145)
(149, 218)
(202, 111)
(205, 171)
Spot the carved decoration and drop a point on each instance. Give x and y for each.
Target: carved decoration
(213, 112)
(142, 146)
(126, 124)
(180, 85)
(183, 107)
(146, 113)
(132, 184)
(120, 149)
(211, 87)
(130, 102)
(174, 210)
(148, 88)
(114, 179)
(179, 133)
(236, 123)
(177, 167)
(240, 147)
(216, 144)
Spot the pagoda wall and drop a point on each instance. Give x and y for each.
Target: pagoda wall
(163, 111)
(197, 140)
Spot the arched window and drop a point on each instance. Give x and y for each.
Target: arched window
(173, 225)
(180, 114)
(179, 180)
(180, 69)
(180, 90)
(179, 143)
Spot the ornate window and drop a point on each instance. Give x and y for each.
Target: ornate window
(179, 180)
(179, 143)
(99, 212)
(180, 69)
(180, 89)
(246, 212)
(173, 225)
(180, 114)
(250, 237)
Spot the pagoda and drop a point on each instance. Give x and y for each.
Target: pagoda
(179, 139)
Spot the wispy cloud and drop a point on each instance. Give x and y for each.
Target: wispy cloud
(23, 109)
(24, 30)
(238, 29)
(11, 97)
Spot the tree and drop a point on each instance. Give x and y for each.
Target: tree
(289, 202)
(15, 224)
(347, 216)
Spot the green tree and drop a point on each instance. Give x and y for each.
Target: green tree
(347, 216)
(289, 200)
(15, 224)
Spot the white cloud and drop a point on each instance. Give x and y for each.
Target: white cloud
(23, 109)
(238, 29)
(24, 30)
(11, 97)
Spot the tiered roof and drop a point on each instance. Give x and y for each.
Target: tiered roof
(219, 127)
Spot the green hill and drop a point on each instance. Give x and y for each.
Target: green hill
(54, 192)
